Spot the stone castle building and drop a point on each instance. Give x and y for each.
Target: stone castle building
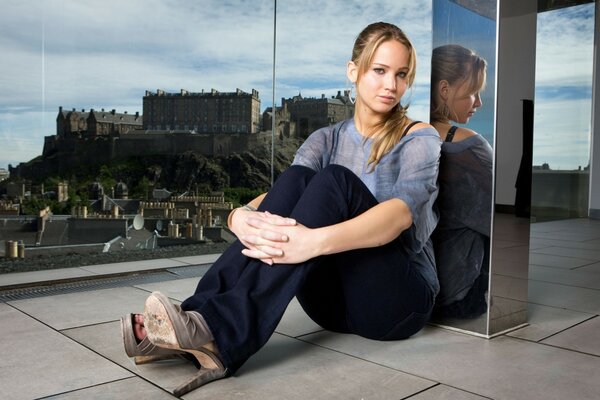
(309, 114)
(77, 124)
(208, 123)
(204, 112)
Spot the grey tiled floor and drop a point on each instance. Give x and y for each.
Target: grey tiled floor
(68, 346)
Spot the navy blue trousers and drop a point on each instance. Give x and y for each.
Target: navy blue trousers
(371, 292)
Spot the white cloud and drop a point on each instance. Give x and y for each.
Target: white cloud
(562, 133)
(565, 46)
(564, 67)
(92, 54)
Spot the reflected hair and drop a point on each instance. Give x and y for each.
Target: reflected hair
(457, 65)
(389, 131)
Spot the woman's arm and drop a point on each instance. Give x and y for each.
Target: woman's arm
(238, 219)
(375, 227)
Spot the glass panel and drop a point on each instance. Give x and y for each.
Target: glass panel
(464, 34)
(137, 109)
(563, 90)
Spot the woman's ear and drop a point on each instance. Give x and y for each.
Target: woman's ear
(352, 71)
(443, 87)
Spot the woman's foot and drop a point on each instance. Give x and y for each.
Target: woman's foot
(139, 330)
(167, 325)
(138, 345)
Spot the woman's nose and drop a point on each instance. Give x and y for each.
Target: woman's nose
(391, 82)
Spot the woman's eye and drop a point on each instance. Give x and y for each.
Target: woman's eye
(402, 74)
(379, 71)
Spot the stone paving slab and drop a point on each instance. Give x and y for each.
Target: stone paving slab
(126, 389)
(285, 368)
(291, 369)
(584, 337)
(133, 266)
(32, 277)
(106, 340)
(37, 361)
(500, 368)
(546, 321)
(443, 392)
(83, 308)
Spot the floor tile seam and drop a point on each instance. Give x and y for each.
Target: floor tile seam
(410, 396)
(564, 284)
(591, 317)
(85, 388)
(596, 356)
(368, 361)
(587, 265)
(589, 314)
(537, 251)
(562, 268)
(61, 332)
(556, 237)
(564, 308)
(533, 342)
(450, 386)
(301, 335)
(588, 318)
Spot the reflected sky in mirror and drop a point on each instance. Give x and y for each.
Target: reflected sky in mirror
(92, 54)
(456, 24)
(563, 87)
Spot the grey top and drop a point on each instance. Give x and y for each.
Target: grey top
(461, 239)
(408, 172)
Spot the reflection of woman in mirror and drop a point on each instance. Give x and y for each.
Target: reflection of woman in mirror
(346, 229)
(461, 240)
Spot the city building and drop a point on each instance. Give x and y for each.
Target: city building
(77, 124)
(308, 114)
(203, 112)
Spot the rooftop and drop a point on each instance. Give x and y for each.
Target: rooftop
(63, 339)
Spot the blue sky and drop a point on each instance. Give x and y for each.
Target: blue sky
(564, 60)
(92, 54)
(478, 34)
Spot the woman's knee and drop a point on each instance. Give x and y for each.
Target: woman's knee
(297, 172)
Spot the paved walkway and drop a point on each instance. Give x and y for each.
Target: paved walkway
(67, 343)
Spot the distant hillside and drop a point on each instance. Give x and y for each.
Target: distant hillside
(186, 171)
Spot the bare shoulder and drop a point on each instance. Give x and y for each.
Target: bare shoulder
(418, 126)
(463, 133)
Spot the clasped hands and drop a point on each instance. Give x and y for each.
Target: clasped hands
(272, 238)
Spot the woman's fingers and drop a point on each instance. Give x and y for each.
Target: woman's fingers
(258, 254)
(278, 220)
(265, 231)
(263, 244)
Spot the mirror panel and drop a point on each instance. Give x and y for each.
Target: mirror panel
(462, 239)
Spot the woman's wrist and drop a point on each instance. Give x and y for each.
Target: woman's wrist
(231, 214)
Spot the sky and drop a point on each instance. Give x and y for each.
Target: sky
(106, 54)
(562, 114)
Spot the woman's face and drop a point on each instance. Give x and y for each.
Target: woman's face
(463, 105)
(382, 86)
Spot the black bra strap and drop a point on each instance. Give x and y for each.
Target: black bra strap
(408, 128)
(450, 134)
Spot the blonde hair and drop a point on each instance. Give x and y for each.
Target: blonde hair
(388, 132)
(456, 65)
